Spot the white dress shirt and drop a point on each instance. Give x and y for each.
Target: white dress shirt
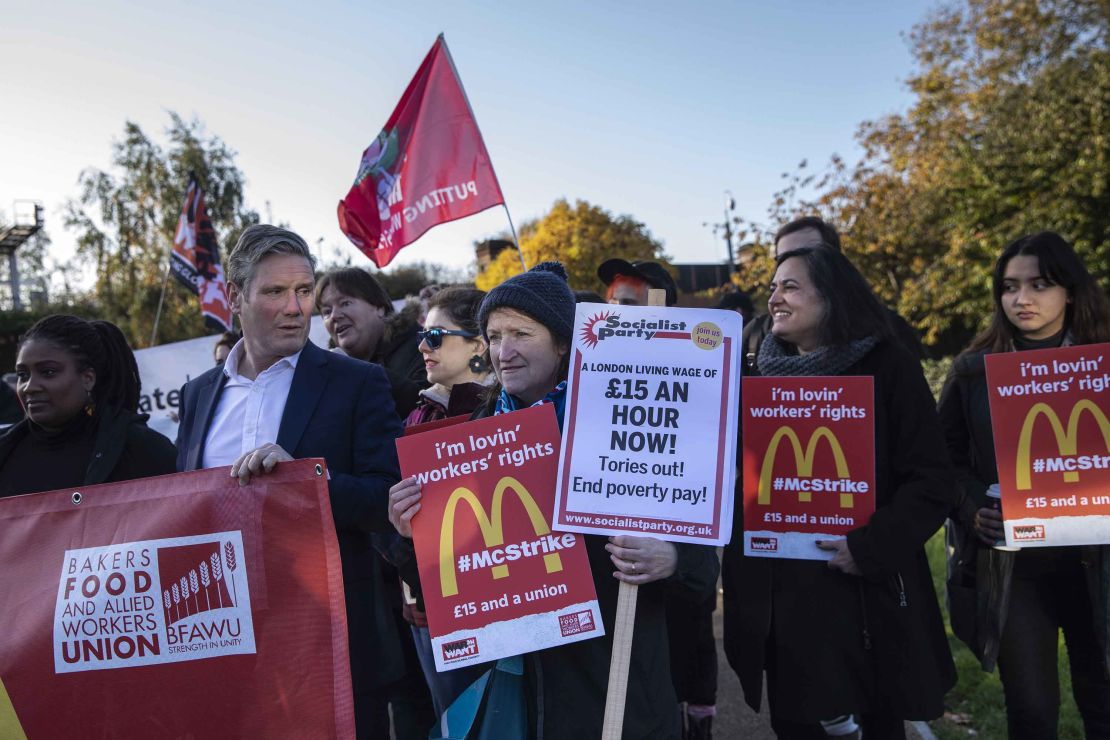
(249, 412)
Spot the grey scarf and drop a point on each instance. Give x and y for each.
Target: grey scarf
(774, 358)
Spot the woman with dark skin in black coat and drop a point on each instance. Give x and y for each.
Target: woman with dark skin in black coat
(862, 633)
(79, 384)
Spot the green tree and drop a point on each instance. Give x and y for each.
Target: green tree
(125, 221)
(581, 236)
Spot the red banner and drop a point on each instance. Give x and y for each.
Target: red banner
(178, 606)
(428, 166)
(195, 260)
(1049, 412)
(809, 462)
(497, 581)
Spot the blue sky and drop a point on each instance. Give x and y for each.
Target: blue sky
(650, 108)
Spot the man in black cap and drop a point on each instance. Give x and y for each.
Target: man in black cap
(629, 282)
(692, 646)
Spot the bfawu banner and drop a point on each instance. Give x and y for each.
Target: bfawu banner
(177, 606)
(497, 580)
(1049, 413)
(809, 462)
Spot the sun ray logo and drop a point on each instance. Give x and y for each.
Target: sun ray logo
(155, 601)
(590, 330)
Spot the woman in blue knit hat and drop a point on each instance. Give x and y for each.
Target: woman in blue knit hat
(529, 323)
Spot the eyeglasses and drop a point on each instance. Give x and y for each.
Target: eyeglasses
(434, 337)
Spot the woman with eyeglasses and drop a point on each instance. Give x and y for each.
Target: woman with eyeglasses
(456, 357)
(362, 322)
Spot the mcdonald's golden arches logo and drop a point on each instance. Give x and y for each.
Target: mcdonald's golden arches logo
(1067, 441)
(492, 527)
(803, 461)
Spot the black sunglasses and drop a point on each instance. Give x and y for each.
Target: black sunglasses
(434, 337)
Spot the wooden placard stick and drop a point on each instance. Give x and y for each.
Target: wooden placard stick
(624, 625)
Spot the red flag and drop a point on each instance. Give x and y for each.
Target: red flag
(195, 260)
(176, 606)
(428, 166)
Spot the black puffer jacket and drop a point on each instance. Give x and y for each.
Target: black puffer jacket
(837, 643)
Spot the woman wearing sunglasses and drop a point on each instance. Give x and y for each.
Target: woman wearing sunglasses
(456, 358)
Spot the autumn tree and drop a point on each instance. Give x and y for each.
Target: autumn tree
(581, 236)
(125, 220)
(1009, 133)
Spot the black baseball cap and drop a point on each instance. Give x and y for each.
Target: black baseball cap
(652, 273)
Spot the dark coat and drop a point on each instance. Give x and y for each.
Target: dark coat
(978, 583)
(568, 683)
(339, 409)
(833, 643)
(125, 448)
(399, 354)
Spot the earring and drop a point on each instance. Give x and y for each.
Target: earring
(477, 365)
(90, 407)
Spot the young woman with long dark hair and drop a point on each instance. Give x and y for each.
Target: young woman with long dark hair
(1011, 606)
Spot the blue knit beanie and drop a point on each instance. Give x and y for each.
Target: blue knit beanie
(542, 293)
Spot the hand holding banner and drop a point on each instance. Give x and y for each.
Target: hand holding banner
(497, 580)
(1049, 412)
(809, 462)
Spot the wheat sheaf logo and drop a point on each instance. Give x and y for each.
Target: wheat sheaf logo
(492, 527)
(803, 462)
(1067, 441)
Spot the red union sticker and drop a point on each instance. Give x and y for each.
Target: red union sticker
(154, 601)
(1028, 532)
(459, 649)
(577, 623)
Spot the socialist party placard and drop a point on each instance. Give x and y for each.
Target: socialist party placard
(809, 463)
(497, 581)
(1052, 443)
(649, 440)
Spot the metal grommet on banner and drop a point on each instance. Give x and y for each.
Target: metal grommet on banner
(76, 497)
(319, 469)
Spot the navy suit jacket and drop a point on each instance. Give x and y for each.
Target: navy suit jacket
(340, 409)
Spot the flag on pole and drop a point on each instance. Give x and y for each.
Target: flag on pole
(428, 166)
(195, 259)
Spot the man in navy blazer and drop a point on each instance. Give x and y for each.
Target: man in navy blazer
(279, 397)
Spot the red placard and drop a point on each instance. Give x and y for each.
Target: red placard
(1049, 412)
(177, 606)
(809, 462)
(497, 581)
